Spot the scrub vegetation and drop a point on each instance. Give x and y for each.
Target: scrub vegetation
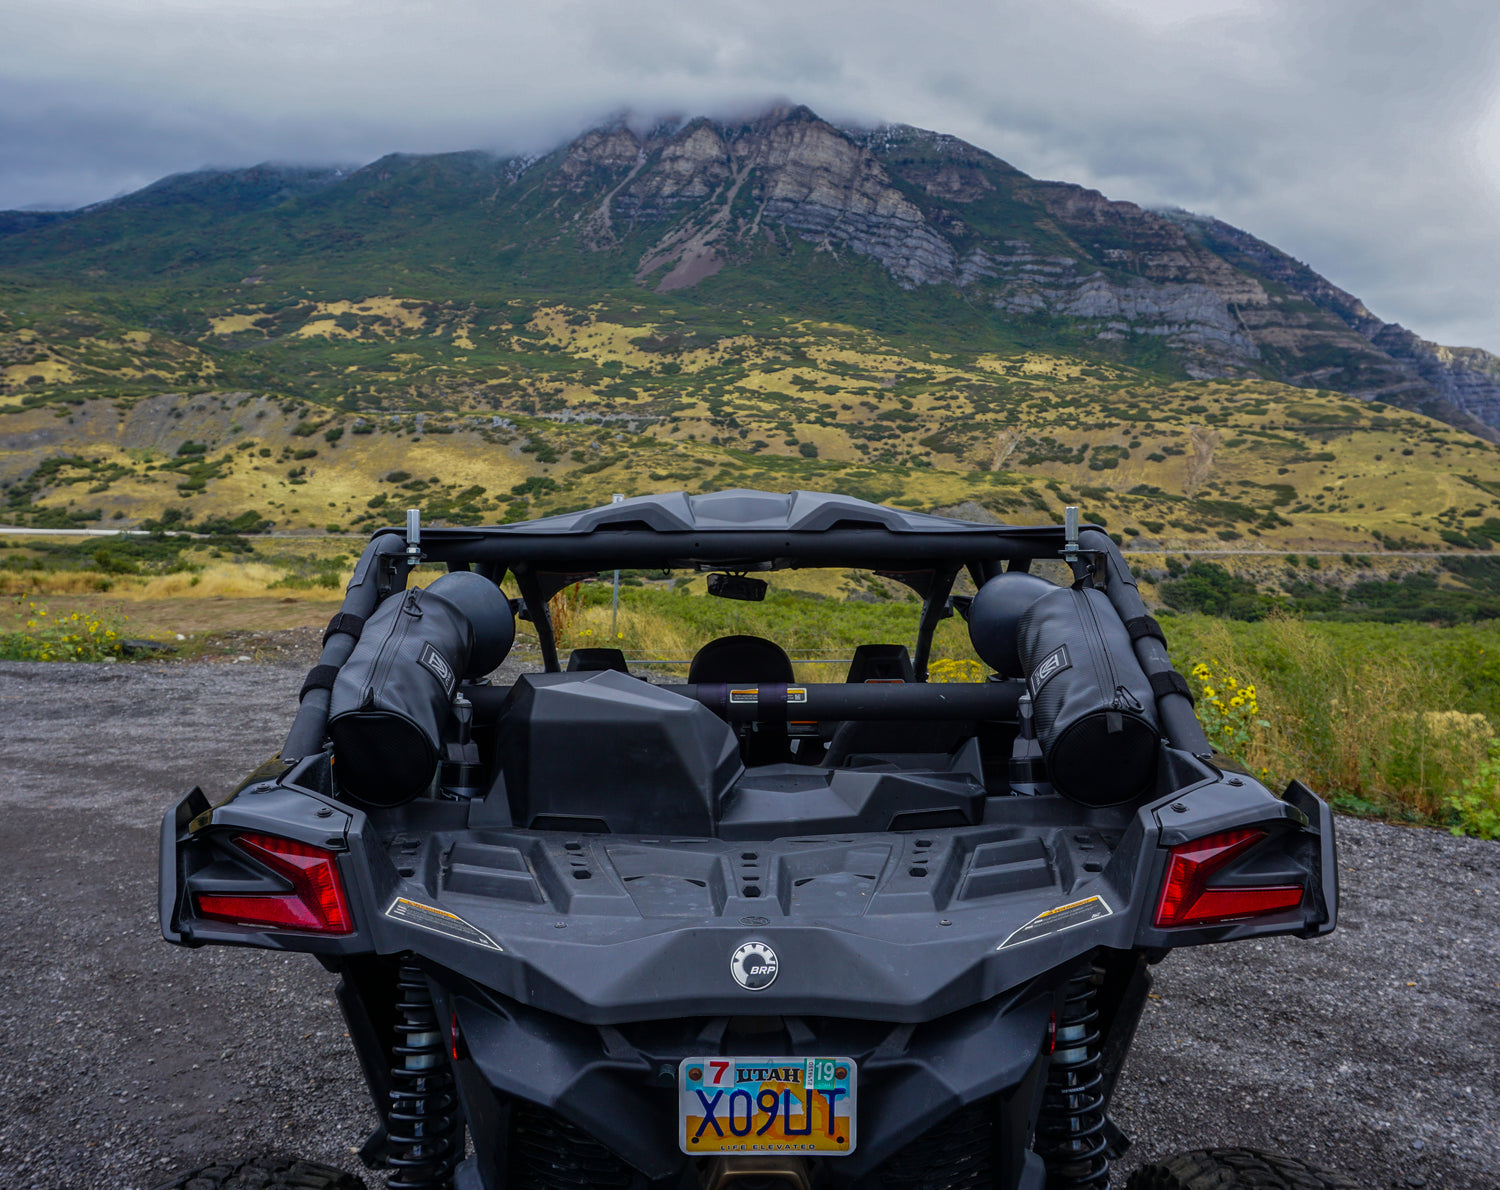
(329, 409)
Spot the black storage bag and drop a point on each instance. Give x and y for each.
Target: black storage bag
(1094, 711)
(392, 698)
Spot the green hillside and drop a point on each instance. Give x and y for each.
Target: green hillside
(894, 314)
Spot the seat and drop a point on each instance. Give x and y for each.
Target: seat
(881, 663)
(748, 659)
(752, 660)
(591, 660)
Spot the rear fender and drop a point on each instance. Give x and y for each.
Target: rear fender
(197, 855)
(1299, 844)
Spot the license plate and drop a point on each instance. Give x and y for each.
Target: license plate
(766, 1105)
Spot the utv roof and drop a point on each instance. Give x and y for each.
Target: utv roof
(740, 528)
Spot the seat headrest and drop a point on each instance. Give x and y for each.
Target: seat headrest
(741, 659)
(881, 663)
(590, 660)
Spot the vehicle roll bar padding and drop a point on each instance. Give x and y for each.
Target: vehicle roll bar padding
(767, 702)
(873, 701)
(311, 724)
(1173, 702)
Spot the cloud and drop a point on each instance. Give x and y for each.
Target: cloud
(1363, 138)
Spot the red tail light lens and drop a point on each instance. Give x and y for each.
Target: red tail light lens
(315, 904)
(1187, 899)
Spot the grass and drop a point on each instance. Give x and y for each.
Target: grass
(1398, 721)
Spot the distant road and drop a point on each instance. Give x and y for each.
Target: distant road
(14, 530)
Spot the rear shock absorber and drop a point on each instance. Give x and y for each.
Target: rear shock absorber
(1070, 1131)
(423, 1129)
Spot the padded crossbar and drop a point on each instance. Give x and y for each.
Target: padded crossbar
(344, 622)
(1145, 626)
(1171, 682)
(319, 677)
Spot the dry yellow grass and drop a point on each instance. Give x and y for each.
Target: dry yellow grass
(231, 324)
(229, 579)
(38, 582)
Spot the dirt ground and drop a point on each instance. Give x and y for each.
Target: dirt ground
(1374, 1051)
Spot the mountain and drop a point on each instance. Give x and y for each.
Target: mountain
(713, 206)
(777, 303)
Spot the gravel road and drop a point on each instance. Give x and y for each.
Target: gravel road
(1374, 1051)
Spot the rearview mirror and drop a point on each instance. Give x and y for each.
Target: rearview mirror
(737, 586)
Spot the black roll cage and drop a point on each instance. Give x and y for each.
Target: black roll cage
(925, 552)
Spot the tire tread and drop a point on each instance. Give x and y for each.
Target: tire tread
(1235, 1169)
(267, 1171)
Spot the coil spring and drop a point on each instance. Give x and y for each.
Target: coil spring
(1070, 1131)
(423, 1124)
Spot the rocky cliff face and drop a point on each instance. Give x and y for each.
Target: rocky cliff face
(932, 210)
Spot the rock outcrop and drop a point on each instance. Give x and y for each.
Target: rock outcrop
(932, 210)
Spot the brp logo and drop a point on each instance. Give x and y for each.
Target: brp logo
(754, 966)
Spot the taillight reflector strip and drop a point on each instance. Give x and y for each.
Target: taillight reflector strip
(316, 903)
(1187, 899)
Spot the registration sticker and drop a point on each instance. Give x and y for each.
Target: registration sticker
(767, 1105)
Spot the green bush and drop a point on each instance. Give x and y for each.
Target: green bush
(1477, 805)
(65, 636)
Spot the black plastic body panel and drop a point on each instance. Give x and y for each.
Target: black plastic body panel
(889, 926)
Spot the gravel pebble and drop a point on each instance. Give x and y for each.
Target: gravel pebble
(1374, 1051)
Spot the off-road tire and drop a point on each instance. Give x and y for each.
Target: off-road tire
(1235, 1169)
(272, 1171)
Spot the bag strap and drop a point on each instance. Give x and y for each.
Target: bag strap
(344, 622)
(1142, 627)
(319, 677)
(1171, 682)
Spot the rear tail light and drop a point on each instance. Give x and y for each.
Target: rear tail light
(1187, 899)
(316, 902)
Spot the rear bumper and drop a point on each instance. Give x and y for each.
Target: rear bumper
(621, 1088)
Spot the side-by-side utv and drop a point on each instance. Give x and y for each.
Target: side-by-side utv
(594, 930)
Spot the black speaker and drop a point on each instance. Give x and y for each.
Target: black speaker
(1094, 710)
(392, 698)
(995, 618)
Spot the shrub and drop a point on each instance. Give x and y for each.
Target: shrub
(73, 636)
(1478, 804)
(955, 669)
(1207, 587)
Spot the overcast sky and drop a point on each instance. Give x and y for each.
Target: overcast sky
(1360, 136)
